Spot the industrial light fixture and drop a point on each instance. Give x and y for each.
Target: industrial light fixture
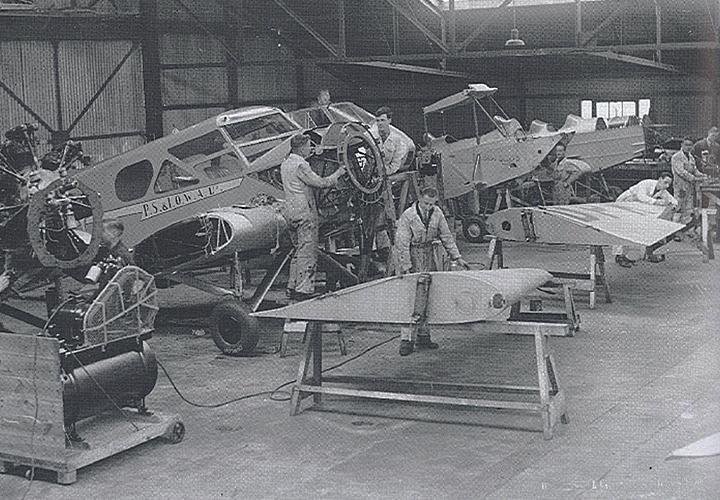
(514, 40)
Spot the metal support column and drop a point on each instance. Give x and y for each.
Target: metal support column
(578, 23)
(151, 70)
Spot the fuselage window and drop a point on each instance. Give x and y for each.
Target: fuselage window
(133, 181)
(262, 127)
(172, 177)
(224, 165)
(194, 149)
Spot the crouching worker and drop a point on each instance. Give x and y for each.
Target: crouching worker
(650, 192)
(418, 227)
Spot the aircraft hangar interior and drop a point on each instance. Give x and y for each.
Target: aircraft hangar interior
(359, 249)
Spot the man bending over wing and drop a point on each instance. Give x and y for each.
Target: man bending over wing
(651, 192)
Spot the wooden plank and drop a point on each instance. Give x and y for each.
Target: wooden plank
(45, 368)
(45, 458)
(419, 398)
(15, 344)
(112, 434)
(22, 406)
(31, 393)
(522, 328)
(25, 385)
(350, 379)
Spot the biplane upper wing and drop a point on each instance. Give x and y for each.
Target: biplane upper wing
(600, 224)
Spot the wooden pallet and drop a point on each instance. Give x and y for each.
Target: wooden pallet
(32, 429)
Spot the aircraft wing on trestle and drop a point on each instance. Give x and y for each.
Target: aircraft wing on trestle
(453, 298)
(601, 224)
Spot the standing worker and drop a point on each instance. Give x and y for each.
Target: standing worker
(301, 213)
(418, 227)
(685, 176)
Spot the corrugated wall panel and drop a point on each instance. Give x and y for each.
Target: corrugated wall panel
(27, 69)
(190, 48)
(102, 149)
(205, 10)
(263, 48)
(194, 86)
(102, 6)
(182, 118)
(266, 83)
(120, 106)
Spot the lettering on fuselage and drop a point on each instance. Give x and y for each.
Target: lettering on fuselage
(173, 201)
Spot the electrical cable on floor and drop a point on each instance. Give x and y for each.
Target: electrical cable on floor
(271, 393)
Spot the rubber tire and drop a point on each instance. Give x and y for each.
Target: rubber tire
(229, 314)
(474, 229)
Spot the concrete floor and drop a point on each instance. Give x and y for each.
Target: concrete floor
(642, 379)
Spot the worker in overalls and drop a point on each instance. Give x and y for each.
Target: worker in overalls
(422, 235)
(300, 211)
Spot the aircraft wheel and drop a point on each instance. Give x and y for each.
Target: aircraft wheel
(233, 330)
(474, 229)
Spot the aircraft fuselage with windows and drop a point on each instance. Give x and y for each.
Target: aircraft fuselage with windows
(197, 169)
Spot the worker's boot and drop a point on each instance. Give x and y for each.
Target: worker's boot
(406, 347)
(424, 342)
(623, 261)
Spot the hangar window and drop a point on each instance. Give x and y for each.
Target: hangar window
(205, 145)
(614, 109)
(172, 177)
(260, 128)
(225, 165)
(133, 181)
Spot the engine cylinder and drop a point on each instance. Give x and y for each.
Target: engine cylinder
(126, 378)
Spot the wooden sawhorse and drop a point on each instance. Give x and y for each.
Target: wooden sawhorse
(590, 282)
(550, 404)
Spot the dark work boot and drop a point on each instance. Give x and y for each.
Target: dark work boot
(623, 261)
(424, 342)
(406, 347)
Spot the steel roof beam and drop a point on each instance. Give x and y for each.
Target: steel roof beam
(410, 16)
(640, 61)
(591, 35)
(491, 15)
(306, 26)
